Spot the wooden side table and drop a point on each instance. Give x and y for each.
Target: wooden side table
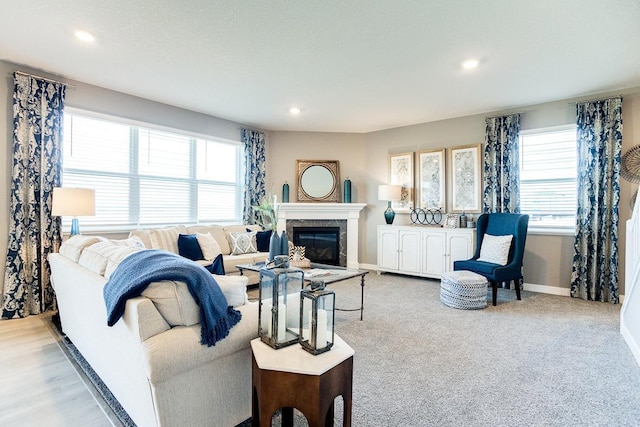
(290, 378)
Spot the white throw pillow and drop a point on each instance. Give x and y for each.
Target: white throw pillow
(234, 289)
(208, 245)
(495, 249)
(243, 243)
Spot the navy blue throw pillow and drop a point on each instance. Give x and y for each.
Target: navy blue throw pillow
(217, 267)
(262, 240)
(189, 247)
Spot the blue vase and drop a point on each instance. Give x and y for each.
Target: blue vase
(284, 243)
(274, 245)
(347, 191)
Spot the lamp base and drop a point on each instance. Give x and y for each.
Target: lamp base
(75, 227)
(389, 214)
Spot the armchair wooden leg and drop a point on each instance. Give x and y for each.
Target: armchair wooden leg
(494, 291)
(517, 284)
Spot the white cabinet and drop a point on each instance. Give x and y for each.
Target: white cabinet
(423, 251)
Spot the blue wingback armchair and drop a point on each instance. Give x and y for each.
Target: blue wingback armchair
(499, 224)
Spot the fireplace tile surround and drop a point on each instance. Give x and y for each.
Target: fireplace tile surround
(341, 224)
(343, 215)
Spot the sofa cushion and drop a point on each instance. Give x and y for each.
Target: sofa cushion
(144, 234)
(238, 229)
(175, 303)
(217, 232)
(209, 245)
(262, 240)
(106, 255)
(74, 245)
(217, 266)
(234, 288)
(189, 247)
(243, 243)
(167, 238)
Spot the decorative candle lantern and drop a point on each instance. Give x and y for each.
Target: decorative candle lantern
(278, 320)
(317, 315)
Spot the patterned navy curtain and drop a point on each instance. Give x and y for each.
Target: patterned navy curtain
(502, 164)
(254, 190)
(36, 169)
(595, 260)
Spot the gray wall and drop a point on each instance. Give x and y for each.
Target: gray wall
(363, 157)
(93, 98)
(548, 258)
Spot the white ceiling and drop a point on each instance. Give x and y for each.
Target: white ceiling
(350, 65)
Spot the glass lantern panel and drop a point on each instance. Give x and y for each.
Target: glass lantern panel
(280, 306)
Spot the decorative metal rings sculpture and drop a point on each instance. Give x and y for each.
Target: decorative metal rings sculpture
(426, 216)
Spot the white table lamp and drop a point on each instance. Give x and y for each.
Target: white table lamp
(73, 202)
(389, 193)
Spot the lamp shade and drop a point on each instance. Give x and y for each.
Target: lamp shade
(73, 202)
(389, 192)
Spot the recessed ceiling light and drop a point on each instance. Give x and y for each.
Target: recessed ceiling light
(294, 110)
(470, 64)
(85, 36)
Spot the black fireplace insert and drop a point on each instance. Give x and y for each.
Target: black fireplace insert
(322, 244)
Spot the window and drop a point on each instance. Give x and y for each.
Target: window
(146, 176)
(548, 171)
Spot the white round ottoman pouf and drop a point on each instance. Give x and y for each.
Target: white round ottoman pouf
(463, 289)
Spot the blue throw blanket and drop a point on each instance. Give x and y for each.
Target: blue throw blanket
(140, 269)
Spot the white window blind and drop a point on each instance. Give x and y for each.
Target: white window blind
(148, 177)
(548, 171)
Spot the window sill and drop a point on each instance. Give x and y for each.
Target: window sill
(550, 231)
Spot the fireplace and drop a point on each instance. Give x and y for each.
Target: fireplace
(342, 215)
(322, 244)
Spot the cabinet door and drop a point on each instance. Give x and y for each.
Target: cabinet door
(388, 250)
(460, 247)
(409, 251)
(433, 255)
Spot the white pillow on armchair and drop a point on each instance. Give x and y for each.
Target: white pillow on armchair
(495, 249)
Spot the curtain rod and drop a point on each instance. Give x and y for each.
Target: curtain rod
(43, 78)
(595, 99)
(503, 115)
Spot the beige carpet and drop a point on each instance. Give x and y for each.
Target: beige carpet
(543, 361)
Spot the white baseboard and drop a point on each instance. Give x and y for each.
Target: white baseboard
(542, 289)
(633, 345)
(545, 289)
(371, 267)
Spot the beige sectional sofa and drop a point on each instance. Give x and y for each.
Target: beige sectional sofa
(152, 359)
(166, 238)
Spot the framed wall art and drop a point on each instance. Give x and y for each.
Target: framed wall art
(431, 179)
(465, 178)
(401, 173)
(451, 221)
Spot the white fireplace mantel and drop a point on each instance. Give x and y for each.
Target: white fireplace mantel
(347, 211)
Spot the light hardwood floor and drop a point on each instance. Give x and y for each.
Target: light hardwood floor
(39, 385)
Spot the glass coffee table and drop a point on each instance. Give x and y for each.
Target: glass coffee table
(323, 273)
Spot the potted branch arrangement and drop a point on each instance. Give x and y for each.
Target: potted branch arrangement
(267, 218)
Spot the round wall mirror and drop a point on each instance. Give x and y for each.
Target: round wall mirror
(318, 181)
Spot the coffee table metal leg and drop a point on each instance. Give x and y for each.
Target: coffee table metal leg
(361, 296)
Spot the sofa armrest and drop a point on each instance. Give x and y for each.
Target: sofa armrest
(142, 319)
(179, 349)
